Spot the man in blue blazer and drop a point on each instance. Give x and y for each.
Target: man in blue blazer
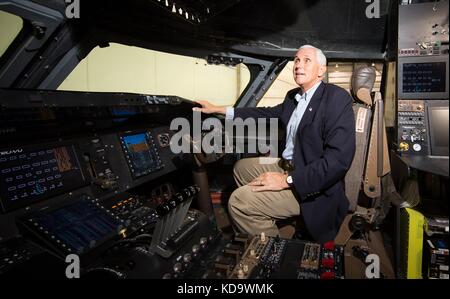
(318, 149)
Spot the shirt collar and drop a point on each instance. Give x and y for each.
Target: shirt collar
(307, 95)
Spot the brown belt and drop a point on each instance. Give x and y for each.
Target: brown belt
(286, 164)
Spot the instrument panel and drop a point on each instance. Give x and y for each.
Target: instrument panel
(58, 147)
(106, 187)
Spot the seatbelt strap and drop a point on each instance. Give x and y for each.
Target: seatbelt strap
(377, 158)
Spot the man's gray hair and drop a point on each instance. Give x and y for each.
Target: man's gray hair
(319, 54)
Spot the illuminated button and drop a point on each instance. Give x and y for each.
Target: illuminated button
(240, 274)
(263, 237)
(245, 268)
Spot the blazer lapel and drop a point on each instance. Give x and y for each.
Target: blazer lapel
(312, 108)
(290, 105)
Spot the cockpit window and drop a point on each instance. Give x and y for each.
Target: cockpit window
(276, 93)
(120, 68)
(10, 26)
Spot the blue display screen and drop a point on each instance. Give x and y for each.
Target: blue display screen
(29, 175)
(78, 227)
(141, 153)
(424, 77)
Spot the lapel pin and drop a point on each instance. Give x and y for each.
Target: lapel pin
(310, 109)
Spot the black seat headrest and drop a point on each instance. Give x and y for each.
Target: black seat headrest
(363, 80)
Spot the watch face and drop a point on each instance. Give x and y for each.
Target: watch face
(289, 179)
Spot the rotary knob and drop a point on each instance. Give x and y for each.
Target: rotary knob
(163, 209)
(177, 267)
(203, 240)
(187, 258)
(195, 248)
(179, 198)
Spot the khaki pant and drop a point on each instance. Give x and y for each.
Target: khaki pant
(256, 212)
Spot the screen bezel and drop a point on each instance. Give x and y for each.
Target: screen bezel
(126, 154)
(433, 150)
(422, 59)
(8, 207)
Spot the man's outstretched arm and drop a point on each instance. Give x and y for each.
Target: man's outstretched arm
(244, 113)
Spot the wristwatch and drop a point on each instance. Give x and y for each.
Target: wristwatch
(289, 180)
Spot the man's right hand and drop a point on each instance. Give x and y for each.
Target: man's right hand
(209, 108)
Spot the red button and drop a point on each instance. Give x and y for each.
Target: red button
(328, 263)
(327, 275)
(329, 245)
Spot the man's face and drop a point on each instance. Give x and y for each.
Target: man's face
(307, 70)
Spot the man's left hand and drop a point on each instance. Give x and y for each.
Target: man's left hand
(270, 181)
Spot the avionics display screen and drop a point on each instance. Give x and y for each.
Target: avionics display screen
(28, 175)
(439, 130)
(76, 228)
(141, 153)
(424, 77)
